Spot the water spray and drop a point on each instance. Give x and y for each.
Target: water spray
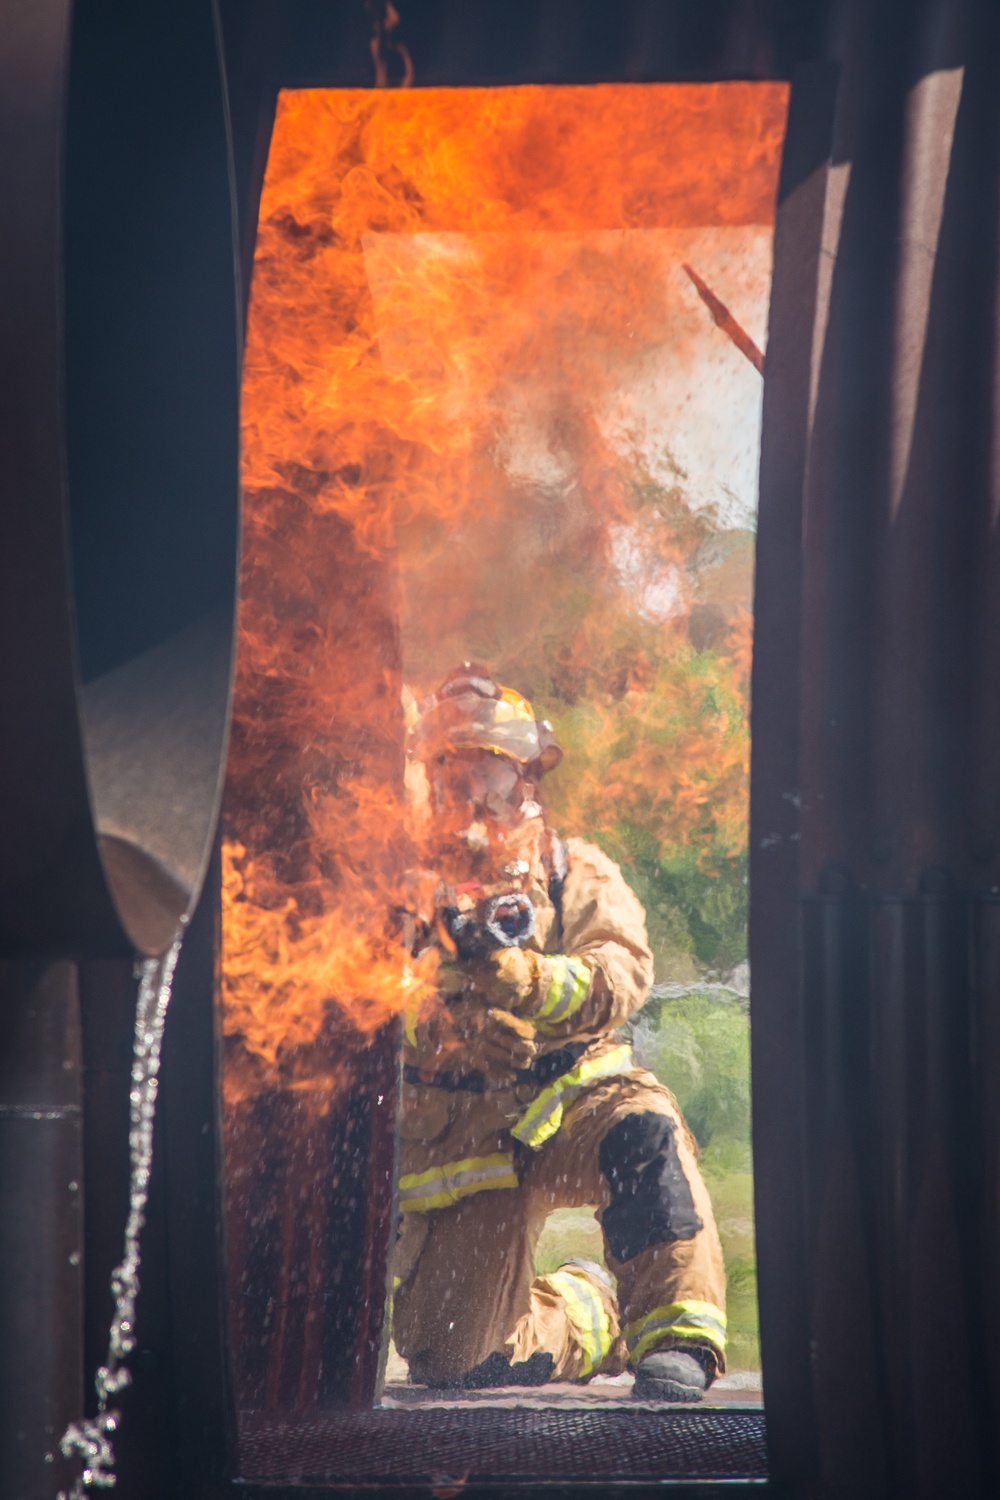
(91, 1438)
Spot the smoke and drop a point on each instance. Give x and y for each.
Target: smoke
(486, 415)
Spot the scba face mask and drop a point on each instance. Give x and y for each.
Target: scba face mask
(480, 796)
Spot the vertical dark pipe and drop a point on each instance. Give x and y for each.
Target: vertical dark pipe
(41, 1242)
(190, 1147)
(985, 998)
(797, 304)
(380, 1086)
(839, 1266)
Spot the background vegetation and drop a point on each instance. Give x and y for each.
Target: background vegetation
(656, 772)
(698, 1044)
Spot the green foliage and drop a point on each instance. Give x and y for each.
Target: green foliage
(700, 1048)
(689, 910)
(653, 719)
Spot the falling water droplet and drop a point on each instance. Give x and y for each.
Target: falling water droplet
(91, 1439)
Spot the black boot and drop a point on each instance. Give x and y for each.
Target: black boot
(497, 1370)
(672, 1375)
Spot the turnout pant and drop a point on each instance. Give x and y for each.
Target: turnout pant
(465, 1284)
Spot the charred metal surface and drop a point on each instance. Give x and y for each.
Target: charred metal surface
(874, 872)
(310, 1179)
(41, 1239)
(527, 41)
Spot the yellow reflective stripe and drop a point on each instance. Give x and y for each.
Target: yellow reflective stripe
(544, 1114)
(568, 988)
(701, 1322)
(471, 1165)
(586, 1311)
(410, 1018)
(411, 1009)
(555, 988)
(441, 1186)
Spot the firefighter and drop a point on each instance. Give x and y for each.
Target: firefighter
(520, 1096)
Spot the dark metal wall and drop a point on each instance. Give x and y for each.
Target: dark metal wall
(119, 374)
(875, 867)
(119, 392)
(41, 1210)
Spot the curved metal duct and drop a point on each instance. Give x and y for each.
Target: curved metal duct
(119, 353)
(119, 371)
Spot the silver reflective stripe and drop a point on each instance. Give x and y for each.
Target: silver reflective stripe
(682, 1320)
(452, 1180)
(574, 987)
(690, 1321)
(441, 1186)
(588, 1315)
(541, 1117)
(544, 1114)
(557, 982)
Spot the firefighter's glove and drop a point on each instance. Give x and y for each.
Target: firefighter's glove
(508, 979)
(461, 1037)
(548, 988)
(498, 1043)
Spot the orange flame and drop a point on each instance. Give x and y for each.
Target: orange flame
(421, 438)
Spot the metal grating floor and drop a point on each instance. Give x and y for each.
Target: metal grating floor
(438, 1444)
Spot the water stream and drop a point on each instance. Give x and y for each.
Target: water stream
(91, 1438)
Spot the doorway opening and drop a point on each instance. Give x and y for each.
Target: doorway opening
(502, 405)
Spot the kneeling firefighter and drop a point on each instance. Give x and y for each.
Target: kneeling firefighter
(519, 1098)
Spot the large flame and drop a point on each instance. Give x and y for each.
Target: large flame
(446, 453)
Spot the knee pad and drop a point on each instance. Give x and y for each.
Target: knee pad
(651, 1202)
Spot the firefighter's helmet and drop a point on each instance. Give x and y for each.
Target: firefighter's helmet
(469, 711)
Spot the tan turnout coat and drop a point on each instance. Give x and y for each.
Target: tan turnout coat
(476, 1187)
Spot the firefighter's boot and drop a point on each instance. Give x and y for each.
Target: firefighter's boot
(673, 1375)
